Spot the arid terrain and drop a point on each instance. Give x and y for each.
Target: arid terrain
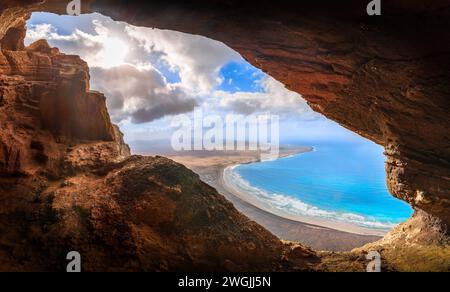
(210, 167)
(68, 181)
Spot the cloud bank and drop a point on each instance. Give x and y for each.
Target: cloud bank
(148, 74)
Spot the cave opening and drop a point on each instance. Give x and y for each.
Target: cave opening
(330, 182)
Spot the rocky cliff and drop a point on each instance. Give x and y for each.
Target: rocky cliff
(69, 183)
(386, 78)
(46, 106)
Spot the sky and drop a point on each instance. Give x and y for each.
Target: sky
(151, 76)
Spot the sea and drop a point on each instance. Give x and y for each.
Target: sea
(339, 181)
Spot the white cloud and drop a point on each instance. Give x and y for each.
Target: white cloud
(142, 95)
(274, 98)
(87, 46)
(136, 92)
(198, 59)
(123, 61)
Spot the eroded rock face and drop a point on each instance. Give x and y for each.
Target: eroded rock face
(46, 106)
(142, 214)
(417, 245)
(67, 182)
(386, 78)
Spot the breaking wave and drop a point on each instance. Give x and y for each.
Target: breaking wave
(294, 206)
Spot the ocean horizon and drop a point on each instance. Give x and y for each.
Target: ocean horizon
(339, 181)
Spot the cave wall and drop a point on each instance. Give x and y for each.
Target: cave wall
(386, 78)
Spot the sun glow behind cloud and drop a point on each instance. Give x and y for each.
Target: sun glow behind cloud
(114, 53)
(151, 75)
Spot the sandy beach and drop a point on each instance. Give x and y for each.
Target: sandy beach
(317, 233)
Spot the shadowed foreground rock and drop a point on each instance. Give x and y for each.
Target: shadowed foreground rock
(68, 182)
(143, 214)
(386, 78)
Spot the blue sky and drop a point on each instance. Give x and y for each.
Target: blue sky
(149, 76)
(241, 76)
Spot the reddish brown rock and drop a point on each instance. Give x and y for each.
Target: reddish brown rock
(149, 213)
(385, 78)
(64, 165)
(43, 47)
(13, 40)
(45, 100)
(65, 184)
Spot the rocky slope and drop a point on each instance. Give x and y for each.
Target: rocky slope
(46, 106)
(385, 78)
(68, 183)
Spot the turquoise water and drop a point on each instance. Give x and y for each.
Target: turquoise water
(338, 181)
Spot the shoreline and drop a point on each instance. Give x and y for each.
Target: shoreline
(210, 166)
(316, 221)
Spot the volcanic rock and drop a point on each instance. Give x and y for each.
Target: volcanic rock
(68, 182)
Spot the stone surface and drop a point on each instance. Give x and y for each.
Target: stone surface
(46, 106)
(385, 78)
(414, 246)
(67, 182)
(141, 214)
